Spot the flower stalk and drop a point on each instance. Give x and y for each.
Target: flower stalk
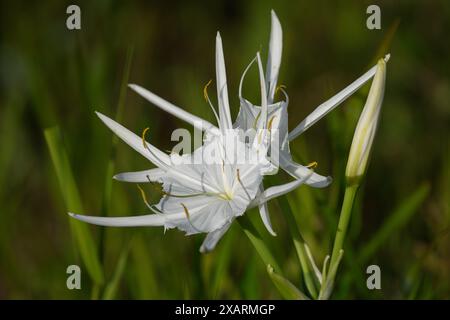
(358, 160)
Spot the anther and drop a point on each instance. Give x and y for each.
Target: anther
(270, 122)
(205, 90)
(143, 195)
(279, 87)
(312, 165)
(238, 176)
(144, 143)
(188, 217)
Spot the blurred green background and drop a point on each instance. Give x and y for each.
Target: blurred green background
(51, 76)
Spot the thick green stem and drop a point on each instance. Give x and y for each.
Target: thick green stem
(344, 218)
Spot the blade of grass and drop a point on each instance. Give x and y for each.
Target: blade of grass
(113, 285)
(395, 221)
(258, 243)
(82, 234)
(287, 290)
(299, 245)
(222, 262)
(106, 200)
(144, 270)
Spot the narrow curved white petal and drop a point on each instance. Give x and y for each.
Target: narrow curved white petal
(156, 156)
(213, 238)
(274, 58)
(222, 90)
(264, 213)
(332, 103)
(276, 191)
(300, 172)
(197, 122)
(134, 221)
(263, 92)
(152, 175)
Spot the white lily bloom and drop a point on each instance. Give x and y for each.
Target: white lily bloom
(201, 197)
(250, 115)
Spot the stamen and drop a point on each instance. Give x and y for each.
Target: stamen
(256, 120)
(243, 187)
(270, 122)
(144, 143)
(279, 88)
(186, 211)
(205, 90)
(312, 165)
(144, 196)
(205, 95)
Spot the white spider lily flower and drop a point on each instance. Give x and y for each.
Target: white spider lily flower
(201, 197)
(250, 116)
(198, 198)
(367, 126)
(278, 114)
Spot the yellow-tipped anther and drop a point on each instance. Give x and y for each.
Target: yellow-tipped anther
(186, 211)
(205, 90)
(144, 133)
(143, 195)
(256, 119)
(188, 217)
(270, 122)
(280, 87)
(312, 165)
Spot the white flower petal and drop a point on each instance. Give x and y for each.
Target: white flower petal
(276, 191)
(156, 156)
(222, 90)
(202, 218)
(300, 172)
(134, 221)
(274, 58)
(262, 81)
(264, 213)
(152, 175)
(197, 122)
(367, 125)
(213, 238)
(331, 103)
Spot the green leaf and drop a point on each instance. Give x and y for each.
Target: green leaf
(287, 290)
(81, 232)
(222, 263)
(258, 243)
(112, 287)
(299, 245)
(144, 269)
(107, 190)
